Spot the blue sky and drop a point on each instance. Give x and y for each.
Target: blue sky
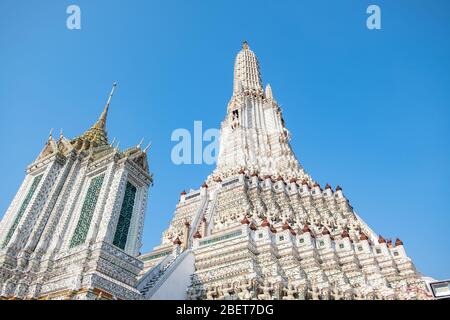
(368, 110)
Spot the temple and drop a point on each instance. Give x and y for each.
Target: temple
(74, 228)
(260, 227)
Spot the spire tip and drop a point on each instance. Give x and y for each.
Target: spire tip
(140, 143)
(147, 147)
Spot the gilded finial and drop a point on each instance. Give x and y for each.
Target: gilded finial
(101, 123)
(112, 93)
(245, 45)
(97, 136)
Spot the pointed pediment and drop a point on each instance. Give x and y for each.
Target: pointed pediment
(64, 146)
(141, 161)
(49, 149)
(138, 157)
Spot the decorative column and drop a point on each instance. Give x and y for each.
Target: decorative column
(186, 231)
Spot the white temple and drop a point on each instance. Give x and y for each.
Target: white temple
(74, 229)
(261, 228)
(258, 228)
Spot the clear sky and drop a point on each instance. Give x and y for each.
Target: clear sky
(368, 110)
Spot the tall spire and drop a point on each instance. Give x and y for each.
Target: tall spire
(96, 135)
(247, 76)
(253, 134)
(101, 122)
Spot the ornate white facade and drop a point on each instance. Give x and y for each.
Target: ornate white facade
(258, 228)
(261, 228)
(74, 229)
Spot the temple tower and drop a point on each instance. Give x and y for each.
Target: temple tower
(74, 228)
(261, 228)
(253, 133)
